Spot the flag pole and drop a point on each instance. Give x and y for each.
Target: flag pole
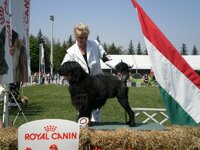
(5, 106)
(39, 64)
(51, 56)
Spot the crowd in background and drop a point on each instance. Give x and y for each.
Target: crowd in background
(144, 80)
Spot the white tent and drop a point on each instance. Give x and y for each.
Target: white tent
(143, 61)
(193, 60)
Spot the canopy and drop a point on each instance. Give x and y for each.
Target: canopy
(143, 61)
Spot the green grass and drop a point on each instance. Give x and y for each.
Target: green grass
(53, 101)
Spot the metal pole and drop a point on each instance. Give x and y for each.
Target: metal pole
(39, 64)
(5, 106)
(51, 56)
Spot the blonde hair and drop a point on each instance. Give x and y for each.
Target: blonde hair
(81, 29)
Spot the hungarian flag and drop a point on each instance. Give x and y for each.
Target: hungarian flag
(179, 84)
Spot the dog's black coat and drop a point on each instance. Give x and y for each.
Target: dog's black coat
(91, 92)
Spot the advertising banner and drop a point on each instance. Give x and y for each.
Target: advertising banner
(6, 65)
(20, 12)
(54, 134)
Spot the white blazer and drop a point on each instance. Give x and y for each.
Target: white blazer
(95, 52)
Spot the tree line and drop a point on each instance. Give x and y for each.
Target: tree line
(59, 50)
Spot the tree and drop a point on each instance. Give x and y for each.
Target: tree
(34, 53)
(40, 37)
(70, 42)
(57, 56)
(120, 51)
(105, 47)
(114, 50)
(183, 49)
(131, 49)
(61, 51)
(47, 49)
(139, 49)
(194, 51)
(145, 51)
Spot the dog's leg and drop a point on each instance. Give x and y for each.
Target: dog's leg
(85, 113)
(81, 114)
(123, 100)
(127, 108)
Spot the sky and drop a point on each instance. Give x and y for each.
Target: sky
(116, 21)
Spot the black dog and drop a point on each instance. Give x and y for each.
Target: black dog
(91, 92)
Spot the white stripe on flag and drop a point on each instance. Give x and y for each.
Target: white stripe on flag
(174, 82)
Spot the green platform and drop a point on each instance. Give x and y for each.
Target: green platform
(118, 125)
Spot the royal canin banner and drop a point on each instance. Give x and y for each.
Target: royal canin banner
(6, 72)
(20, 13)
(56, 134)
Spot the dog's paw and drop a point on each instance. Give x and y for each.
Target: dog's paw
(131, 124)
(83, 122)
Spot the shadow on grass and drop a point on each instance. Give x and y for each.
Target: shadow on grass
(30, 110)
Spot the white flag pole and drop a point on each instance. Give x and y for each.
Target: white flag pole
(5, 106)
(51, 57)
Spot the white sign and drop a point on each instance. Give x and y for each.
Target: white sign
(49, 134)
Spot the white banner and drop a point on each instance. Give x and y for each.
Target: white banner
(49, 134)
(20, 13)
(6, 74)
(42, 62)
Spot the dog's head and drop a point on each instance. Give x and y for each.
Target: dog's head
(73, 72)
(123, 69)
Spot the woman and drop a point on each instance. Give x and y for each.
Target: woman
(88, 54)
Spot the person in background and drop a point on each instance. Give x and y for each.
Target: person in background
(88, 54)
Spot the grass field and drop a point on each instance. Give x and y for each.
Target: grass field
(53, 102)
